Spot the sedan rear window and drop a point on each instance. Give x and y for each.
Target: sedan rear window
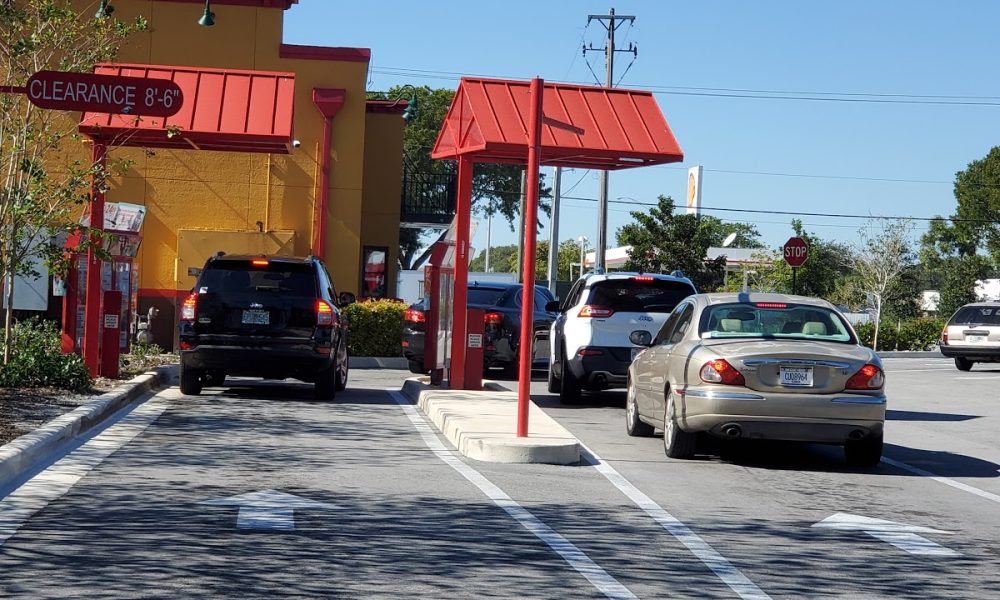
(488, 296)
(240, 276)
(976, 315)
(639, 294)
(774, 320)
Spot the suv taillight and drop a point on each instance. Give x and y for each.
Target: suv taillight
(412, 315)
(944, 336)
(869, 377)
(720, 371)
(597, 312)
(324, 313)
(189, 308)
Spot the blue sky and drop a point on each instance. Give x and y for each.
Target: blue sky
(896, 81)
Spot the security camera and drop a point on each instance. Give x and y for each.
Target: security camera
(296, 143)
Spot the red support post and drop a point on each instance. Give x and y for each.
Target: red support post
(528, 266)
(463, 214)
(92, 307)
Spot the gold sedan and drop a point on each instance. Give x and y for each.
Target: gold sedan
(757, 366)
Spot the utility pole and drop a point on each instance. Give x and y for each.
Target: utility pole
(611, 21)
(554, 230)
(520, 225)
(489, 234)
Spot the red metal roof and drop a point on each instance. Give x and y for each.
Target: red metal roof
(583, 126)
(223, 109)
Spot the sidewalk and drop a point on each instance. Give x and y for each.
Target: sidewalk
(483, 425)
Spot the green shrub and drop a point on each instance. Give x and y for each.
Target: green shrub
(375, 328)
(921, 333)
(36, 359)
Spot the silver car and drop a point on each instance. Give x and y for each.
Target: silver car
(972, 335)
(757, 366)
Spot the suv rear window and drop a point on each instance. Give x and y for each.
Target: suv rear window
(240, 276)
(639, 295)
(977, 315)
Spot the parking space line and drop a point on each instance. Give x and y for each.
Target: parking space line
(65, 471)
(605, 583)
(951, 482)
(708, 555)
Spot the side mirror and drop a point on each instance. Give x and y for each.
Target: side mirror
(346, 299)
(552, 306)
(641, 338)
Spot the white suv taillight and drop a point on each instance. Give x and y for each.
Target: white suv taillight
(944, 336)
(597, 312)
(324, 313)
(189, 308)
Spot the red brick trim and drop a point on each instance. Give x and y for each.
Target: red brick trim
(395, 107)
(282, 4)
(342, 54)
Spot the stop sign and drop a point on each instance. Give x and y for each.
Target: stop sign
(796, 251)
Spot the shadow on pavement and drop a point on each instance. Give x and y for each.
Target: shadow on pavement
(911, 415)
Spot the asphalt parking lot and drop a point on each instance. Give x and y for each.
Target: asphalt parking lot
(257, 490)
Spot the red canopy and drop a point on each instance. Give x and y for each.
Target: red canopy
(583, 126)
(223, 109)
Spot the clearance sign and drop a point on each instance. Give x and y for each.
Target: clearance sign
(89, 92)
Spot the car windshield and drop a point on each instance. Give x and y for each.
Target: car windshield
(487, 296)
(977, 315)
(774, 320)
(240, 276)
(639, 294)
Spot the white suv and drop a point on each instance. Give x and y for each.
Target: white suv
(590, 345)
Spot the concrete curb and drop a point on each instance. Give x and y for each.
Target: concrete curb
(482, 425)
(378, 362)
(24, 453)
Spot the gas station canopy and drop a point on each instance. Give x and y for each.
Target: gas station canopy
(583, 126)
(222, 109)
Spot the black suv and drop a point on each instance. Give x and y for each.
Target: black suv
(264, 316)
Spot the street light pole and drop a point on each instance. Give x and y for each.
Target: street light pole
(582, 240)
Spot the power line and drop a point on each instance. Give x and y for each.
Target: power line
(797, 213)
(742, 93)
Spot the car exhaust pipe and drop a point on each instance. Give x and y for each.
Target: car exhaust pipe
(856, 435)
(732, 431)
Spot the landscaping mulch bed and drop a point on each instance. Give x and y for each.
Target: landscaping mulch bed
(23, 410)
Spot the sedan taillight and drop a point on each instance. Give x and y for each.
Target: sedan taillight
(324, 313)
(189, 308)
(720, 371)
(412, 315)
(493, 318)
(869, 377)
(597, 312)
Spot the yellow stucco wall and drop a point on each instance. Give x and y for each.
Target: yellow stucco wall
(383, 182)
(189, 189)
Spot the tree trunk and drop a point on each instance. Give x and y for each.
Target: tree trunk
(8, 324)
(878, 319)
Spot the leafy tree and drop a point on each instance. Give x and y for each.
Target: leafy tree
(496, 188)
(503, 259)
(878, 262)
(42, 186)
(662, 241)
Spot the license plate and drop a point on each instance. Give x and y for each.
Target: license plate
(797, 376)
(975, 339)
(256, 317)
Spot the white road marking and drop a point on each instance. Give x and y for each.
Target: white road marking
(967, 378)
(955, 484)
(899, 535)
(605, 583)
(49, 485)
(267, 509)
(708, 555)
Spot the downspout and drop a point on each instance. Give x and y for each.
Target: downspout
(328, 101)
